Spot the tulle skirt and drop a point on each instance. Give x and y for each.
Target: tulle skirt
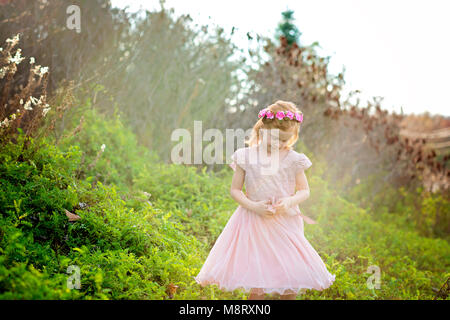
(266, 254)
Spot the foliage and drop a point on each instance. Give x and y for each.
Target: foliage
(161, 72)
(110, 152)
(44, 28)
(124, 249)
(417, 209)
(172, 74)
(287, 28)
(135, 242)
(358, 140)
(146, 226)
(20, 107)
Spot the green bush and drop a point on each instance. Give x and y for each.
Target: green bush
(153, 226)
(38, 242)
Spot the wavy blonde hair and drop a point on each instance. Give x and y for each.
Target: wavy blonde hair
(285, 125)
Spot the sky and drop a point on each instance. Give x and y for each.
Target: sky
(393, 49)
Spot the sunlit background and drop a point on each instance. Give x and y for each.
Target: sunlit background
(93, 97)
(395, 49)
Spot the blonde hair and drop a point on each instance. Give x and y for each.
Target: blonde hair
(284, 125)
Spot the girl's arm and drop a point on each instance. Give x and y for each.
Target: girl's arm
(302, 194)
(301, 184)
(236, 189)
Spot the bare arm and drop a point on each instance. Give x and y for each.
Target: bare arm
(236, 189)
(286, 204)
(301, 184)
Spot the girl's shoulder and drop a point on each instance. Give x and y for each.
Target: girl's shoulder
(242, 152)
(240, 157)
(299, 160)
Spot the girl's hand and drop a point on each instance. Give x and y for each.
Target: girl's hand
(284, 205)
(262, 208)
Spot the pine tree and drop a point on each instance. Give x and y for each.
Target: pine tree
(287, 28)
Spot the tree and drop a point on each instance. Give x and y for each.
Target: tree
(45, 36)
(287, 28)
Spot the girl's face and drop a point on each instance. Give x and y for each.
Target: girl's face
(276, 138)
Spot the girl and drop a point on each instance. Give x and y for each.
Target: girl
(262, 248)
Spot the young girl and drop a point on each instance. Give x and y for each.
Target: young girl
(262, 248)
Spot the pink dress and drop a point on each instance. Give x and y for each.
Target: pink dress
(270, 254)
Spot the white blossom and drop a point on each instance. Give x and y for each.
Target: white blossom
(2, 72)
(32, 60)
(43, 71)
(21, 101)
(27, 105)
(40, 100)
(13, 40)
(103, 147)
(35, 70)
(34, 100)
(4, 123)
(45, 110)
(17, 58)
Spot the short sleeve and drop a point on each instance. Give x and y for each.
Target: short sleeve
(301, 162)
(238, 158)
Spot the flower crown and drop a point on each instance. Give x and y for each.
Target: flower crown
(281, 115)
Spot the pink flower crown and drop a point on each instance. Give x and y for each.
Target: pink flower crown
(281, 115)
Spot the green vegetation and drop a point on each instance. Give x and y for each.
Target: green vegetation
(86, 188)
(147, 227)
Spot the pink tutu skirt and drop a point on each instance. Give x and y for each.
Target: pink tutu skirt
(266, 254)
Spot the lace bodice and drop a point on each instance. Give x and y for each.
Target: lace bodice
(260, 182)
